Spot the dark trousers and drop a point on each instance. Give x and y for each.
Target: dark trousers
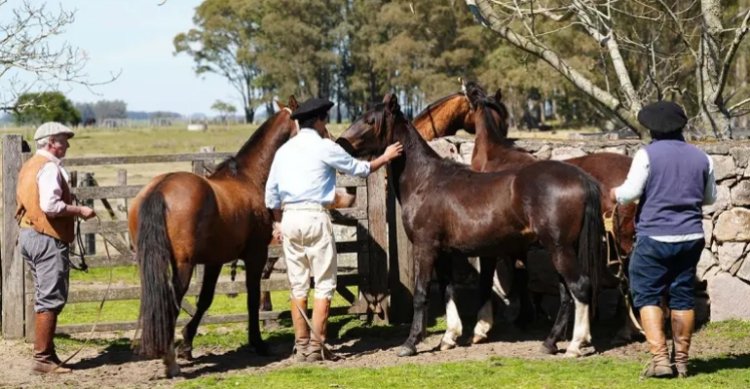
(660, 268)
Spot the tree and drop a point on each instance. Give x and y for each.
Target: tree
(45, 107)
(224, 43)
(224, 109)
(29, 57)
(649, 51)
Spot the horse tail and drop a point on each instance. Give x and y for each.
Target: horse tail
(158, 312)
(590, 240)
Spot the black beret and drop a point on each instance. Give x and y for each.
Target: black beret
(311, 108)
(662, 116)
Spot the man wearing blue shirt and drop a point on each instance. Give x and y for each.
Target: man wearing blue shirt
(302, 183)
(672, 179)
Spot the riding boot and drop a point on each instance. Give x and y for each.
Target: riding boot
(301, 331)
(652, 319)
(316, 351)
(683, 323)
(45, 358)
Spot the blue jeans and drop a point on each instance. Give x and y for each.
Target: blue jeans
(659, 268)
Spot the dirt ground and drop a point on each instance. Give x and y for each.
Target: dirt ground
(116, 366)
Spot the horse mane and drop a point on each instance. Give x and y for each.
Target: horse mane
(428, 109)
(230, 165)
(478, 97)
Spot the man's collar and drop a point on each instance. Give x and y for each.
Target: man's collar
(46, 154)
(308, 130)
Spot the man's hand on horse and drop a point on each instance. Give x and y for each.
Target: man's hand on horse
(393, 151)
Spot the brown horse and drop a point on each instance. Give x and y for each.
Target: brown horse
(447, 208)
(494, 152)
(179, 220)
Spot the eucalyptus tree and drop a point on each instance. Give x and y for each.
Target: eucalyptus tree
(225, 42)
(650, 49)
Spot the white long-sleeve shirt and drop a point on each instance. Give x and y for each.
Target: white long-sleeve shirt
(304, 170)
(50, 187)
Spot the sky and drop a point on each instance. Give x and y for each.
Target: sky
(134, 38)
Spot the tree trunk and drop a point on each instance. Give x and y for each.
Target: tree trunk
(249, 114)
(714, 116)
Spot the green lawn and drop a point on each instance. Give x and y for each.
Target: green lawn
(593, 372)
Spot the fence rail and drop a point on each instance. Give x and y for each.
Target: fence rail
(370, 245)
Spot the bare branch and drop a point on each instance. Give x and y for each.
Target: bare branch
(739, 35)
(738, 105)
(677, 23)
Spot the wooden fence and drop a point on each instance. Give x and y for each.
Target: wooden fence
(384, 290)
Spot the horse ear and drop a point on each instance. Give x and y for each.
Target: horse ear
(391, 102)
(498, 95)
(463, 84)
(293, 104)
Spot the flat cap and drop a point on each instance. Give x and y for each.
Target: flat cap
(663, 116)
(311, 108)
(52, 128)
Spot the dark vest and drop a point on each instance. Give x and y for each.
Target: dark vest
(671, 203)
(29, 211)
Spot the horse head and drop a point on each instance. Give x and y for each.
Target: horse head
(496, 117)
(371, 133)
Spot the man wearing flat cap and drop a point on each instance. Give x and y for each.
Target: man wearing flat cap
(672, 181)
(301, 184)
(46, 216)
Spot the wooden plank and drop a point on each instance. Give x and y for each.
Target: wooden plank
(138, 159)
(378, 243)
(182, 321)
(94, 226)
(401, 274)
(227, 287)
(349, 181)
(12, 265)
(106, 192)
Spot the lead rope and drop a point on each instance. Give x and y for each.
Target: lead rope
(612, 246)
(327, 354)
(101, 303)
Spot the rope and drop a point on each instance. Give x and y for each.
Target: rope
(610, 227)
(326, 352)
(101, 303)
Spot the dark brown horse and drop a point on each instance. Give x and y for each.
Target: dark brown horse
(494, 152)
(179, 220)
(447, 208)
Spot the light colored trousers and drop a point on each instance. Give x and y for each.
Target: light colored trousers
(309, 249)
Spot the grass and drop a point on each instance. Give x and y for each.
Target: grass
(594, 372)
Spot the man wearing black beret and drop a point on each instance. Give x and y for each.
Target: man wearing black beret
(302, 182)
(672, 181)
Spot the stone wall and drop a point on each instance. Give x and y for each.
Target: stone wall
(723, 267)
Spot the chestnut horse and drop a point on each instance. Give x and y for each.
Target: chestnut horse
(447, 208)
(179, 220)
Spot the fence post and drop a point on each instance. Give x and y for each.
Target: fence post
(378, 244)
(401, 269)
(13, 271)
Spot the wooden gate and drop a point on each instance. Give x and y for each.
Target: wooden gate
(371, 245)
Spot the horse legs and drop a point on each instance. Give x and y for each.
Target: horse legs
(454, 327)
(424, 260)
(561, 321)
(265, 297)
(579, 286)
(181, 282)
(253, 271)
(206, 297)
(485, 317)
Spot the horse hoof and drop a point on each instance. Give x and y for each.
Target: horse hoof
(407, 351)
(573, 354)
(550, 350)
(446, 346)
(477, 339)
(172, 372)
(186, 354)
